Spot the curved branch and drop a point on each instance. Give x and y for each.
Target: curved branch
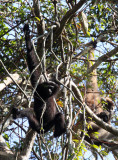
(67, 17)
(101, 123)
(8, 80)
(22, 21)
(102, 58)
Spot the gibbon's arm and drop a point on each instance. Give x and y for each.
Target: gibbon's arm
(27, 113)
(32, 60)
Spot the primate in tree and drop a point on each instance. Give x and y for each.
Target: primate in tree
(108, 107)
(101, 107)
(105, 115)
(45, 112)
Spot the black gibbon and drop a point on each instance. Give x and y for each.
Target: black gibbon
(45, 112)
(108, 107)
(105, 115)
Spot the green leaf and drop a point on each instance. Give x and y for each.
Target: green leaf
(38, 19)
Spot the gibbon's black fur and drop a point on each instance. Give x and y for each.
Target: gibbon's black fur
(108, 107)
(43, 98)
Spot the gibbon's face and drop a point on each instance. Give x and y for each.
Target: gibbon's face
(45, 90)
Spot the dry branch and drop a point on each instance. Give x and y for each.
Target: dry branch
(8, 81)
(102, 58)
(28, 144)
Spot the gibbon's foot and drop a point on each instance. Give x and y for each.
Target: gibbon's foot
(60, 126)
(15, 112)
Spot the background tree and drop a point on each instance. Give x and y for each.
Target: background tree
(66, 36)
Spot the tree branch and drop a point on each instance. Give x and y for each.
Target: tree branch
(102, 58)
(8, 81)
(98, 121)
(5, 152)
(67, 17)
(12, 78)
(28, 144)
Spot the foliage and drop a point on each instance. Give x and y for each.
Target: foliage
(71, 43)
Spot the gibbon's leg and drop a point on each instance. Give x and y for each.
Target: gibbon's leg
(49, 126)
(28, 113)
(21, 113)
(60, 126)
